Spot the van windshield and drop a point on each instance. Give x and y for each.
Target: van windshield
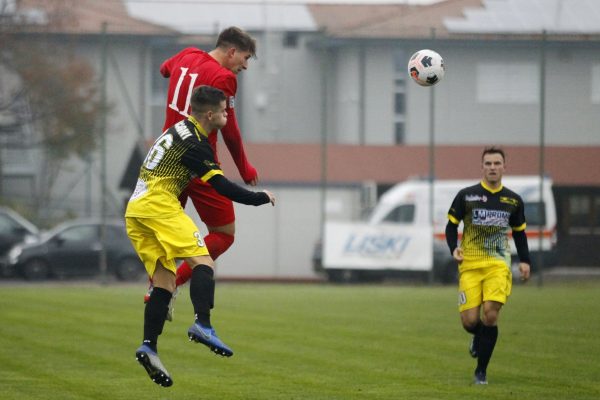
(532, 213)
(403, 214)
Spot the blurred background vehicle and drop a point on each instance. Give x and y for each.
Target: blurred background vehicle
(73, 249)
(380, 247)
(14, 229)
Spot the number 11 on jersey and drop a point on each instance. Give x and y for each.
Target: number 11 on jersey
(190, 87)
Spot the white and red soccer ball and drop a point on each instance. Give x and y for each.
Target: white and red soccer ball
(426, 67)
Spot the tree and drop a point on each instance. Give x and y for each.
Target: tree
(51, 91)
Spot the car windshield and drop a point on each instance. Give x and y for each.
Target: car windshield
(81, 233)
(11, 222)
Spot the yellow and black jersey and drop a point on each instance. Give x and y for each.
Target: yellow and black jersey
(488, 216)
(179, 154)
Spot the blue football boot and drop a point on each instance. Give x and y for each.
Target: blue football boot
(208, 337)
(151, 363)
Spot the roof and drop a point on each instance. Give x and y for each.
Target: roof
(210, 17)
(528, 16)
(461, 19)
(387, 20)
(81, 17)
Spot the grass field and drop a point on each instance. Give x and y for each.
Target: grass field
(298, 342)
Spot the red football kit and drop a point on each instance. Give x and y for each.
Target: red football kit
(187, 69)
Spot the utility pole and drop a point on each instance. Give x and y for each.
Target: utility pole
(541, 213)
(103, 262)
(432, 162)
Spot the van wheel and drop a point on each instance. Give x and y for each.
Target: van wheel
(342, 275)
(35, 270)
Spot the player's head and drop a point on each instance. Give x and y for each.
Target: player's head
(492, 165)
(208, 107)
(238, 46)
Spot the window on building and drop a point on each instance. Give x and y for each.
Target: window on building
(400, 61)
(290, 39)
(596, 84)
(508, 82)
(596, 214)
(579, 214)
(399, 132)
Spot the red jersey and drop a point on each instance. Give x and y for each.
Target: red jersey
(193, 67)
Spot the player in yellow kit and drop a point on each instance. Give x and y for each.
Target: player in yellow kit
(161, 232)
(489, 212)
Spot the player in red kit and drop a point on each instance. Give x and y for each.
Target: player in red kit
(218, 68)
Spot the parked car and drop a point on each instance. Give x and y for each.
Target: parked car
(13, 229)
(73, 249)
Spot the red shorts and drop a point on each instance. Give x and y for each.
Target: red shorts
(213, 209)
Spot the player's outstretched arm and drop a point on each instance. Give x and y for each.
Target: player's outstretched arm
(239, 194)
(233, 140)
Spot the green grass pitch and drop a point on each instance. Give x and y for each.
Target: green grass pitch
(298, 341)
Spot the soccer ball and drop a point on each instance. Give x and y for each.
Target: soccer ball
(426, 67)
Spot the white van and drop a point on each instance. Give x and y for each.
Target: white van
(399, 236)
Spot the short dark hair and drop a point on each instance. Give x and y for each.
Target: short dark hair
(205, 98)
(235, 37)
(493, 150)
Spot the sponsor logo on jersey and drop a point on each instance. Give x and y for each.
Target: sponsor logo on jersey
(509, 200)
(182, 130)
(231, 102)
(485, 217)
(475, 197)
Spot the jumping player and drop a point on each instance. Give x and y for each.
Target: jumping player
(161, 232)
(190, 68)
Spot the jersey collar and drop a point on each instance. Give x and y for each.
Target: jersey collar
(489, 189)
(198, 126)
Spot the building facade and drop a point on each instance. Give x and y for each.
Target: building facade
(331, 118)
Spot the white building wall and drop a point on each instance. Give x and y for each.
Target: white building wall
(279, 93)
(379, 96)
(345, 129)
(278, 242)
(571, 117)
(462, 116)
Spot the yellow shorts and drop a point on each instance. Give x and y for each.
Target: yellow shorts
(165, 240)
(484, 284)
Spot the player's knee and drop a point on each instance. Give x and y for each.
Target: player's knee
(491, 312)
(200, 260)
(470, 320)
(228, 229)
(228, 240)
(217, 243)
(490, 319)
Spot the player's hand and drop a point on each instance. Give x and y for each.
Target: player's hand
(271, 196)
(251, 176)
(458, 254)
(253, 182)
(525, 271)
